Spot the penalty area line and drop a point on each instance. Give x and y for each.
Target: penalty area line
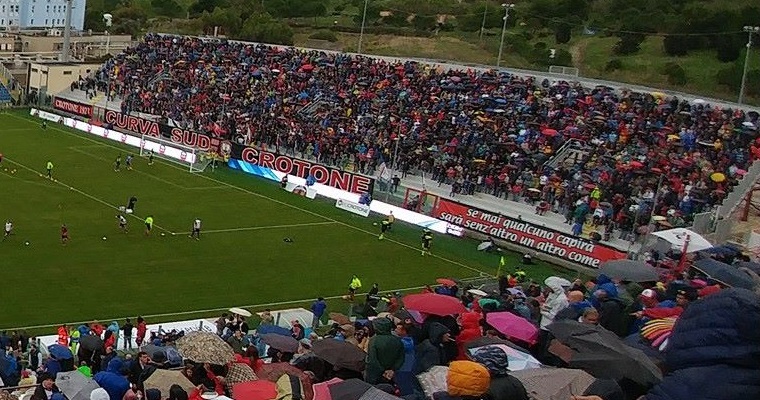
(85, 194)
(257, 228)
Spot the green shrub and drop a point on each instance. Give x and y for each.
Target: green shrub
(613, 65)
(324, 34)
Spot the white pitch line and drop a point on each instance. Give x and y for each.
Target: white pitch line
(257, 228)
(229, 185)
(89, 196)
(211, 310)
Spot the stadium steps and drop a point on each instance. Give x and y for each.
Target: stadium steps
(5, 95)
(570, 154)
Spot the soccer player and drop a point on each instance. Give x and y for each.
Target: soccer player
(391, 220)
(355, 285)
(427, 239)
(128, 161)
(384, 226)
(148, 225)
(64, 234)
(122, 223)
(117, 163)
(49, 168)
(8, 229)
(44, 124)
(150, 157)
(196, 233)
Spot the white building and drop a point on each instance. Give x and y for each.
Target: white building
(38, 14)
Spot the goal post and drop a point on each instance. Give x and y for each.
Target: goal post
(195, 160)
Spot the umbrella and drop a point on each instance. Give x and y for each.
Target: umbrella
(152, 349)
(513, 326)
(60, 352)
(255, 390)
(74, 385)
(205, 347)
(555, 280)
(322, 389)
(433, 380)
(718, 177)
(517, 360)
(341, 319)
(240, 311)
(554, 383)
(436, 304)
(549, 132)
(91, 343)
(357, 389)
(163, 379)
(601, 353)
(446, 282)
(629, 270)
(276, 329)
(486, 340)
(340, 354)
(753, 266)
(677, 239)
(287, 344)
(477, 292)
(724, 273)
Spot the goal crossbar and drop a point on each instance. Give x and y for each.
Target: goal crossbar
(194, 159)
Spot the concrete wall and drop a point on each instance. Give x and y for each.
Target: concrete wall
(56, 77)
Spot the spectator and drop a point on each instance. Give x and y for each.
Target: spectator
(318, 310)
(237, 342)
(385, 353)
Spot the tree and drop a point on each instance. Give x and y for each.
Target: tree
(630, 43)
(261, 27)
(424, 22)
(471, 22)
(562, 33)
(728, 47)
(373, 14)
(167, 8)
(201, 6)
(675, 73)
(227, 19)
(676, 45)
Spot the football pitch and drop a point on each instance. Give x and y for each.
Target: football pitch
(241, 259)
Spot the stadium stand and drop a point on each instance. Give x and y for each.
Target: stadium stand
(559, 145)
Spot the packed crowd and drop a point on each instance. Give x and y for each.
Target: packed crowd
(479, 131)
(512, 339)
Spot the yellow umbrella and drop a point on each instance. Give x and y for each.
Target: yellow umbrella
(659, 95)
(673, 137)
(718, 177)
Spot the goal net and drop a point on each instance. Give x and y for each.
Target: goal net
(195, 160)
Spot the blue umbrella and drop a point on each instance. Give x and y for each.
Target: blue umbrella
(60, 352)
(276, 329)
(501, 101)
(724, 273)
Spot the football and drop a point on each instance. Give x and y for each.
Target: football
(104, 238)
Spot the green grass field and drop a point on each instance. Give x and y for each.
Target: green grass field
(241, 259)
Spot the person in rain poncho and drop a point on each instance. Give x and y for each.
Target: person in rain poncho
(555, 302)
(385, 353)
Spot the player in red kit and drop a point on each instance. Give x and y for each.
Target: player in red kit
(64, 234)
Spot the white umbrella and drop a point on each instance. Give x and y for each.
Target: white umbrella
(699, 101)
(477, 292)
(677, 237)
(74, 385)
(560, 281)
(518, 360)
(240, 311)
(748, 124)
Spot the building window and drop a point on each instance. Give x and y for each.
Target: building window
(46, 21)
(67, 72)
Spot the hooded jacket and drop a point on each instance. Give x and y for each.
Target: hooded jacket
(713, 350)
(112, 379)
(433, 350)
(556, 301)
(385, 351)
(503, 386)
(470, 330)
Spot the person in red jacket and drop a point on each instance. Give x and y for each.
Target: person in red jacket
(470, 330)
(142, 330)
(683, 298)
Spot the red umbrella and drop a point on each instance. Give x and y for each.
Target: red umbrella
(514, 327)
(255, 390)
(446, 282)
(549, 132)
(436, 304)
(636, 164)
(307, 67)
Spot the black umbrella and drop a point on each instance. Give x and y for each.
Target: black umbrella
(602, 354)
(340, 354)
(752, 266)
(152, 349)
(724, 273)
(357, 389)
(629, 270)
(91, 343)
(287, 344)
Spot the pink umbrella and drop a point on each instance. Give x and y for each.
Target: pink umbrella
(513, 326)
(549, 132)
(322, 389)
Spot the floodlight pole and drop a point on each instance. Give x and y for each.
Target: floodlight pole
(750, 30)
(67, 33)
(483, 24)
(361, 32)
(507, 7)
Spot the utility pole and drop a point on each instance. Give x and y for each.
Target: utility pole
(507, 7)
(361, 32)
(750, 30)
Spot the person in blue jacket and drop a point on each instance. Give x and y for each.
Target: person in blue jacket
(112, 379)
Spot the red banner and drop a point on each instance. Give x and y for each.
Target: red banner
(73, 107)
(546, 240)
